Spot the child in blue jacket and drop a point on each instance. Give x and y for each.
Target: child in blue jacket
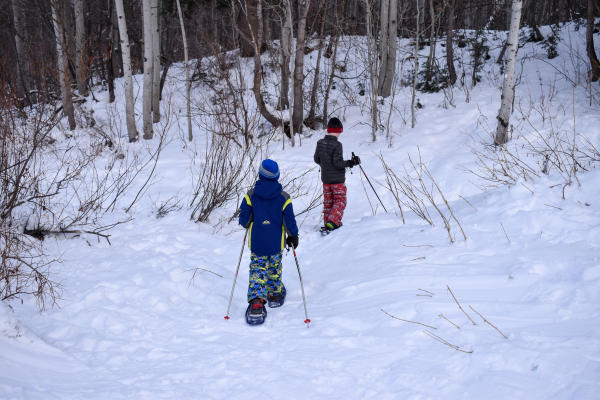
(267, 213)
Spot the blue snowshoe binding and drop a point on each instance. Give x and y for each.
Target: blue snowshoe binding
(277, 300)
(256, 313)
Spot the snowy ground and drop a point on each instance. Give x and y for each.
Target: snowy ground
(136, 322)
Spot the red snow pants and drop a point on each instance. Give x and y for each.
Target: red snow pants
(334, 202)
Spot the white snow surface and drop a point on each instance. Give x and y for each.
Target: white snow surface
(138, 320)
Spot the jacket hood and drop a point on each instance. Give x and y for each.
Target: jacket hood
(267, 188)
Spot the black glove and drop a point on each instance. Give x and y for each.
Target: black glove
(355, 159)
(292, 241)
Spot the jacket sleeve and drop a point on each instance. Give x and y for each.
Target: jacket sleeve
(289, 220)
(338, 157)
(316, 156)
(246, 214)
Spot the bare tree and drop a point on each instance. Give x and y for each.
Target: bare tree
(81, 51)
(286, 45)
(388, 46)
(22, 73)
(372, 67)
(155, 61)
(148, 68)
(591, 52)
(315, 84)
(63, 75)
(188, 82)
(129, 106)
(508, 87)
(449, 45)
(298, 115)
(416, 73)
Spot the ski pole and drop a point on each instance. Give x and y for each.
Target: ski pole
(237, 270)
(370, 184)
(307, 320)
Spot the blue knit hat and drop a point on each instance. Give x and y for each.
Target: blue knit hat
(269, 170)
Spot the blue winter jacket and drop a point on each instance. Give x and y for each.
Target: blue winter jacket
(268, 213)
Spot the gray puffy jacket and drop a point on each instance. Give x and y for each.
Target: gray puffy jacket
(329, 155)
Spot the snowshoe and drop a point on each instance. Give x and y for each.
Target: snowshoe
(256, 313)
(277, 300)
(329, 227)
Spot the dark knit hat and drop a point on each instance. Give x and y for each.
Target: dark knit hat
(334, 126)
(269, 170)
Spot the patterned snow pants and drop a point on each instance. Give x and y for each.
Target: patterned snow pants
(265, 276)
(334, 202)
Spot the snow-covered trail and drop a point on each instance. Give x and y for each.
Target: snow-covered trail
(136, 323)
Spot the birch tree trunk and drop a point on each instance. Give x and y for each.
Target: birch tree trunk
(289, 22)
(298, 115)
(155, 62)
(315, 84)
(188, 83)
(148, 69)
(286, 43)
(389, 32)
(591, 52)
(22, 84)
(129, 106)
(80, 47)
(63, 76)
(413, 120)
(449, 45)
(372, 61)
(508, 87)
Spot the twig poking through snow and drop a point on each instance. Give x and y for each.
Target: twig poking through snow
(426, 291)
(405, 320)
(460, 307)
(550, 205)
(505, 234)
(488, 322)
(442, 316)
(439, 339)
(202, 269)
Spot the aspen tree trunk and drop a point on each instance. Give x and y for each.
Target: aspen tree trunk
(81, 51)
(315, 84)
(63, 76)
(508, 87)
(115, 51)
(129, 106)
(22, 84)
(188, 83)
(292, 129)
(298, 115)
(331, 76)
(413, 121)
(389, 33)
(430, 59)
(109, 65)
(148, 69)
(286, 43)
(155, 62)
(372, 60)
(449, 44)
(591, 52)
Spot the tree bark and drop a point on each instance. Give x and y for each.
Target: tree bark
(413, 121)
(286, 43)
(391, 48)
(449, 42)
(80, 46)
(148, 68)
(591, 52)
(63, 76)
(188, 82)
(315, 84)
(155, 62)
(22, 79)
(508, 87)
(298, 116)
(372, 61)
(129, 106)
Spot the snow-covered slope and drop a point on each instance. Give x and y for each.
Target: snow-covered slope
(143, 317)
